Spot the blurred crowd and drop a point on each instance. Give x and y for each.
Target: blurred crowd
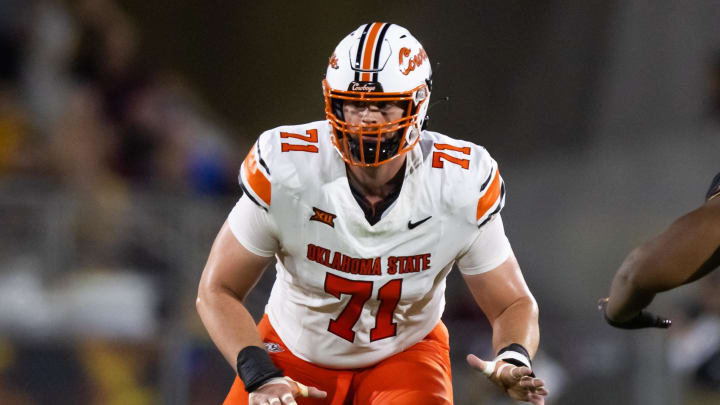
(81, 110)
(88, 131)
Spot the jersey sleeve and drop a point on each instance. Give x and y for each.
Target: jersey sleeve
(254, 177)
(714, 190)
(489, 249)
(492, 193)
(253, 227)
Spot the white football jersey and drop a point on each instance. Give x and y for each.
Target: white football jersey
(347, 293)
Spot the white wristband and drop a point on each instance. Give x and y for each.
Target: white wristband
(515, 356)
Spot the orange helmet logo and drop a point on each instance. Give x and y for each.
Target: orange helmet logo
(333, 62)
(412, 61)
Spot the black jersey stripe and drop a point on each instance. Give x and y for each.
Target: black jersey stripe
(358, 58)
(487, 181)
(260, 159)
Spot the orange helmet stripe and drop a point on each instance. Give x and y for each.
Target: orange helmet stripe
(488, 200)
(259, 184)
(368, 51)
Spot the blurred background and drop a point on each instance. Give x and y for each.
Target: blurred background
(123, 124)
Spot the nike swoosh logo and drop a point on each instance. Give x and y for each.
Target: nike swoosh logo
(412, 224)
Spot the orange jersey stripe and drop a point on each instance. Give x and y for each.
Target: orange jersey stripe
(256, 179)
(490, 197)
(369, 46)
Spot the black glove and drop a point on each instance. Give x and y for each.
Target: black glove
(644, 319)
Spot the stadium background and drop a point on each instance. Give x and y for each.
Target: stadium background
(123, 124)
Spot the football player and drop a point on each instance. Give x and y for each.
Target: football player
(688, 250)
(366, 213)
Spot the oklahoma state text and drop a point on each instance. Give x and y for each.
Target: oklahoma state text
(368, 266)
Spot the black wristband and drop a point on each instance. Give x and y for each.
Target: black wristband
(517, 349)
(254, 367)
(643, 319)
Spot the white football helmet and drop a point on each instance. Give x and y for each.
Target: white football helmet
(378, 62)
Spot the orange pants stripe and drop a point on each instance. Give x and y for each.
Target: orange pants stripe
(420, 375)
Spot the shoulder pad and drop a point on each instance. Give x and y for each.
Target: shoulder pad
(254, 177)
(469, 176)
(289, 157)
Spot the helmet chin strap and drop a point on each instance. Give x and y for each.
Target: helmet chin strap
(411, 134)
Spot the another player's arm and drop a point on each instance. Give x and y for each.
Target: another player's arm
(686, 251)
(229, 275)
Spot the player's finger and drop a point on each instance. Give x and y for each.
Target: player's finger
(519, 372)
(486, 367)
(475, 362)
(310, 392)
(302, 389)
(536, 399)
(316, 393)
(257, 399)
(305, 391)
(274, 401)
(288, 399)
(529, 382)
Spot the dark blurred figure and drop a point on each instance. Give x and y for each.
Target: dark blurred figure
(13, 15)
(14, 125)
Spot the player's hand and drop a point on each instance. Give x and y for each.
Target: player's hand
(644, 319)
(283, 391)
(515, 381)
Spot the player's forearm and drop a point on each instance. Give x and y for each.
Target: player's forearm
(631, 291)
(230, 325)
(671, 259)
(518, 324)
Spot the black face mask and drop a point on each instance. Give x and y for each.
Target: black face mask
(388, 148)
